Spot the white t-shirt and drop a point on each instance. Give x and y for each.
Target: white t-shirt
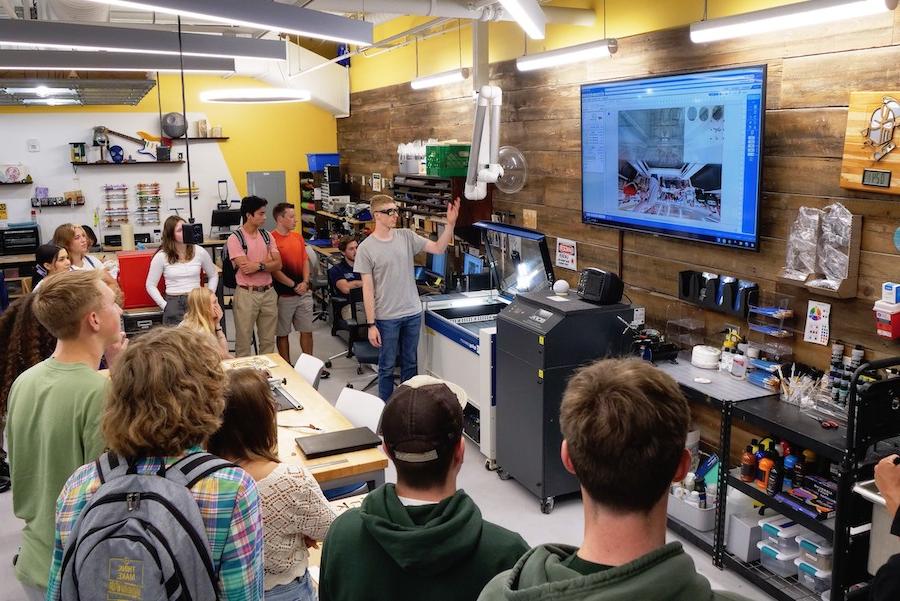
(88, 263)
(181, 277)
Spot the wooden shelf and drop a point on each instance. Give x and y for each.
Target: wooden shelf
(127, 164)
(222, 139)
(16, 183)
(349, 220)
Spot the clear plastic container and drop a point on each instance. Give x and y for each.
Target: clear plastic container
(781, 564)
(816, 551)
(781, 533)
(815, 580)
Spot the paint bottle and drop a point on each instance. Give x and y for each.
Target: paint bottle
(765, 466)
(748, 465)
(700, 489)
(790, 469)
(856, 357)
(809, 462)
(775, 479)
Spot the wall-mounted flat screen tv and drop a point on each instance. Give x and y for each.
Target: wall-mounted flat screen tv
(677, 155)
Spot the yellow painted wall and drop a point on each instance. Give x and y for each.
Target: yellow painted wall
(264, 137)
(376, 69)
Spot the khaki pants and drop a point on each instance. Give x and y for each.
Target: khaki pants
(251, 309)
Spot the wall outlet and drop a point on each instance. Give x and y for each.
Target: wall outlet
(33, 145)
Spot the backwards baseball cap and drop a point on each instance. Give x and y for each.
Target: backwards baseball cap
(423, 419)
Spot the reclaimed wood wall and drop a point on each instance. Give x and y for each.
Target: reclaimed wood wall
(810, 76)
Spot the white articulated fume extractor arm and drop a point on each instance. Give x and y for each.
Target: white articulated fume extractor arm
(484, 167)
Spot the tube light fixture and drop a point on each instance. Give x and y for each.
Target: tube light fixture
(566, 56)
(76, 36)
(262, 14)
(54, 60)
(42, 91)
(255, 95)
(51, 101)
(528, 15)
(791, 16)
(439, 79)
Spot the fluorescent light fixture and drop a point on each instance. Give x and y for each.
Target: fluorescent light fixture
(54, 60)
(42, 91)
(528, 15)
(262, 14)
(439, 79)
(51, 101)
(791, 16)
(75, 36)
(569, 55)
(255, 95)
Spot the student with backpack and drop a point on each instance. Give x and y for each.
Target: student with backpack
(156, 517)
(251, 258)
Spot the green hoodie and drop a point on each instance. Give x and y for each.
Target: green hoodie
(442, 551)
(666, 574)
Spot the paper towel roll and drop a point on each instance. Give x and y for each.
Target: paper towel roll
(127, 231)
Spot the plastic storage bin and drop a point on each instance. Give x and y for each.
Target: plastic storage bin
(815, 580)
(743, 534)
(702, 520)
(318, 161)
(816, 551)
(447, 160)
(781, 533)
(781, 564)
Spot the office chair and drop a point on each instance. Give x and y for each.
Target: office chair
(338, 323)
(359, 345)
(319, 284)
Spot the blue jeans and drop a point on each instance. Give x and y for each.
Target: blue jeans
(399, 338)
(300, 589)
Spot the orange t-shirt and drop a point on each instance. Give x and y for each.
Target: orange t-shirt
(293, 253)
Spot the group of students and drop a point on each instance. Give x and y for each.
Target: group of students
(168, 401)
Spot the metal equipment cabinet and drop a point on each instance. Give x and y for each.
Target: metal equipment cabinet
(541, 340)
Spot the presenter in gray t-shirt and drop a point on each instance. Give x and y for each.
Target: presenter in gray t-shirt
(385, 262)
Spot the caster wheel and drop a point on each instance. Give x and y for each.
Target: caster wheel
(503, 474)
(490, 465)
(349, 385)
(328, 364)
(547, 505)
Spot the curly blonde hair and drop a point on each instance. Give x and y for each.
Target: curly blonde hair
(167, 394)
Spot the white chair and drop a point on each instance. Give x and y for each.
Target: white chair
(361, 408)
(310, 368)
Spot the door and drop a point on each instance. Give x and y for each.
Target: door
(271, 186)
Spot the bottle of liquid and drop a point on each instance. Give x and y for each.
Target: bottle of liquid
(790, 471)
(761, 453)
(754, 445)
(809, 463)
(775, 480)
(700, 488)
(786, 448)
(748, 465)
(765, 466)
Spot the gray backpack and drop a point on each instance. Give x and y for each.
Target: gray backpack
(141, 537)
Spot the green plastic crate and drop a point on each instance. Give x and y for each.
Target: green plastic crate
(447, 160)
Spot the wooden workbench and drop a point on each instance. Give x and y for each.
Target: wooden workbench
(335, 470)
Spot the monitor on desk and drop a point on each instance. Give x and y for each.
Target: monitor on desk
(226, 217)
(436, 265)
(419, 273)
(472, 264)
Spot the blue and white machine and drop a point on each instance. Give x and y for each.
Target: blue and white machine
(458, 341)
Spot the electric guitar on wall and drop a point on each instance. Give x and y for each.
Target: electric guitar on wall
(149, 142)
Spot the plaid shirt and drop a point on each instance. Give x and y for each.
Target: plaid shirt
(229, 506)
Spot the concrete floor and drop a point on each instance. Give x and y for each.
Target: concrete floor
(503, 502)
